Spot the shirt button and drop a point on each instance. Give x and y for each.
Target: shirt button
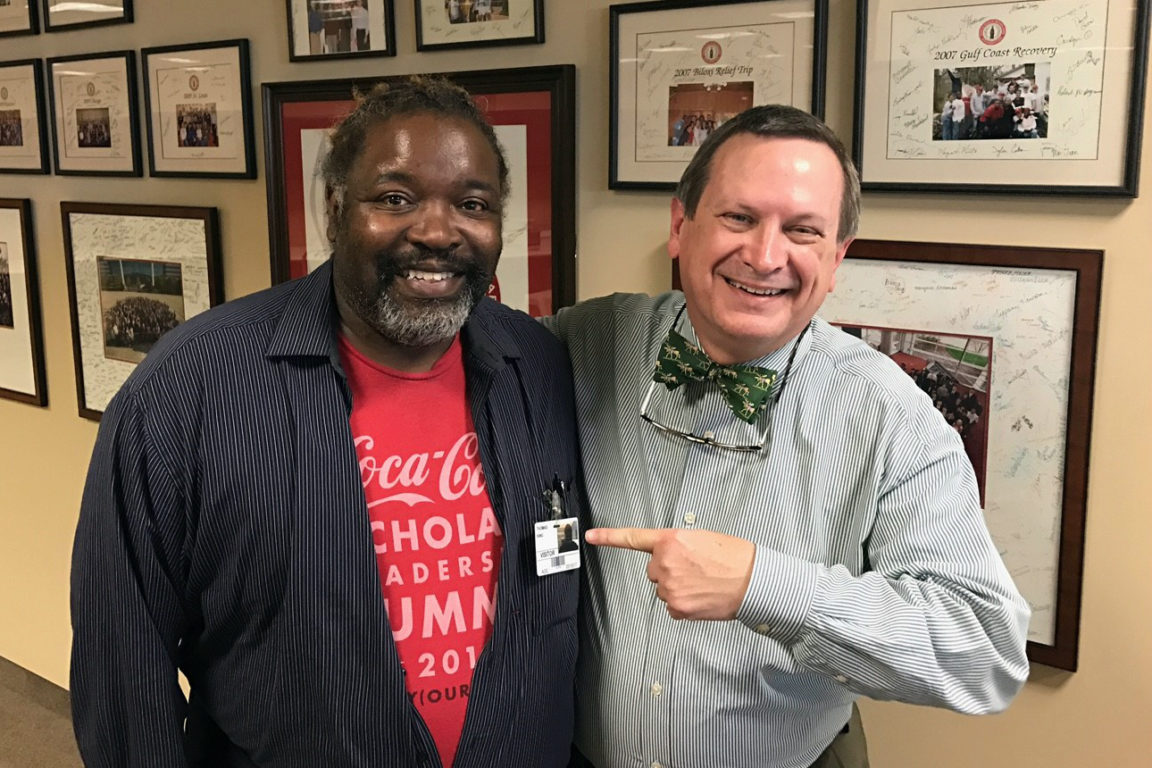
(841, 679)
(656, 689)
(690, 518)
(763, 629)
(656, 764)
(709, 435)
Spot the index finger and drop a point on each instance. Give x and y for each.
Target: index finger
(638, 539)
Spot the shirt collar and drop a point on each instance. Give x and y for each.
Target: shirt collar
(776, 361)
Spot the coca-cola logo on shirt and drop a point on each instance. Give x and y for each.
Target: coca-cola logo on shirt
(459, 473)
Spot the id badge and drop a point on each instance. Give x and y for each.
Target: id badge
(557, 546)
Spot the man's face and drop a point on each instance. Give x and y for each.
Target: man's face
(417, 240)
(760, 255)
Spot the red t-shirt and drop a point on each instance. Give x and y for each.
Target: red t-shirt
(437, 539)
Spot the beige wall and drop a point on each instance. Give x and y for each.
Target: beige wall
(1098, 716)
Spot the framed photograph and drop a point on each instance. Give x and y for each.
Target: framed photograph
(1004, 339)
(199, 104)
(478, 23)
(23, 129)
(972, 96)
(322, 29)
(680, 68)
(135, 272)
(18, 17)
(533, 112)
(93, 100)
(21, 344)
(62, 15)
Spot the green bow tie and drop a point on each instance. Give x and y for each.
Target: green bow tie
(745, 387)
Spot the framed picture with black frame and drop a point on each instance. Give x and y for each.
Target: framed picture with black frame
(94, 115)
(1004, 340)
(978, 97)
(680, 68)
(23, 128)
(320, 30)
(21, 344)
(533, 112)
(135, 272)
(19, 18)
(444, 24)
(62, 15)
(198, 101)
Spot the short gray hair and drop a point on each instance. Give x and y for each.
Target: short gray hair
(773, 121)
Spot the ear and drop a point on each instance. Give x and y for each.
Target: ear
(678, 217)
(332, 206)
(841, 252)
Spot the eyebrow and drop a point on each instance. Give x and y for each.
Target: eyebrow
(407, 178)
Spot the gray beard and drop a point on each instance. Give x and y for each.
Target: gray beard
(423, 325)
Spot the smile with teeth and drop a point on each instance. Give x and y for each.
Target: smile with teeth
(754, 291)
(427, 277)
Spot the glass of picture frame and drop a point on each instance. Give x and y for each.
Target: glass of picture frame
(199, 106)
(1014, 329)
(134, 273)
(60, 15)
(341, 30)
(23, 129)
(680, 68)
(94, 118)
(19, 18)
(477, 23)
(533, 112)
(21, 344)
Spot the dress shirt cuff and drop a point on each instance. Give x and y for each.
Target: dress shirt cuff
(779, 594)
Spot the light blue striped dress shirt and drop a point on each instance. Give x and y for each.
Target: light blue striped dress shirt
(874, 572)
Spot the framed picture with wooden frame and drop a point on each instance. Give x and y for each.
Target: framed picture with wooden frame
(977, 97)
(94, 115)
(1004, 338)
(21, 343)
(681, 68)
(135, 272)
(198, 101)
(532, 110)
(343, 30)
(62, 15)
(23, 127)
(19, 18)
(444, 24)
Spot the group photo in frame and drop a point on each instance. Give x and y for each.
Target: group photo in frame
(23, 128)
(135, 272)
(322, 29)
(198, 102)
(18, 17)
(681, 68)
(971, 96)
(444, 24)
(21, 343)
(94, 116)
(60, 15)
(1004, 341)
(532, 110)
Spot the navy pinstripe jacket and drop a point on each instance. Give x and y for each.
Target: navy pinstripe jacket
(223, 531)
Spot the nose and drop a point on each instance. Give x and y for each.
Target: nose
(435, 226)
(768, 249)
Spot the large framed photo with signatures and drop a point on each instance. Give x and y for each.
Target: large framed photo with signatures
(971, 96)
(199, 106)
(23, 129)
(93, 100)
(135, 272)
(477, 23)
(21, 343)
(532, 111)
(1004, 341)
(680, 68)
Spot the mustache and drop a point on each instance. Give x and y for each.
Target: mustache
(393, 264)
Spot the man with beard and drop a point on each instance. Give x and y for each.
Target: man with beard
(320, 502)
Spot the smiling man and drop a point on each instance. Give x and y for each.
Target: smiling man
(785, 522)
(323, 503)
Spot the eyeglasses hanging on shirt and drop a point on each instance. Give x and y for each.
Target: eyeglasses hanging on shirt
(748, 390)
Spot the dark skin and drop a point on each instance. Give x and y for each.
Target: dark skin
(424, 192)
